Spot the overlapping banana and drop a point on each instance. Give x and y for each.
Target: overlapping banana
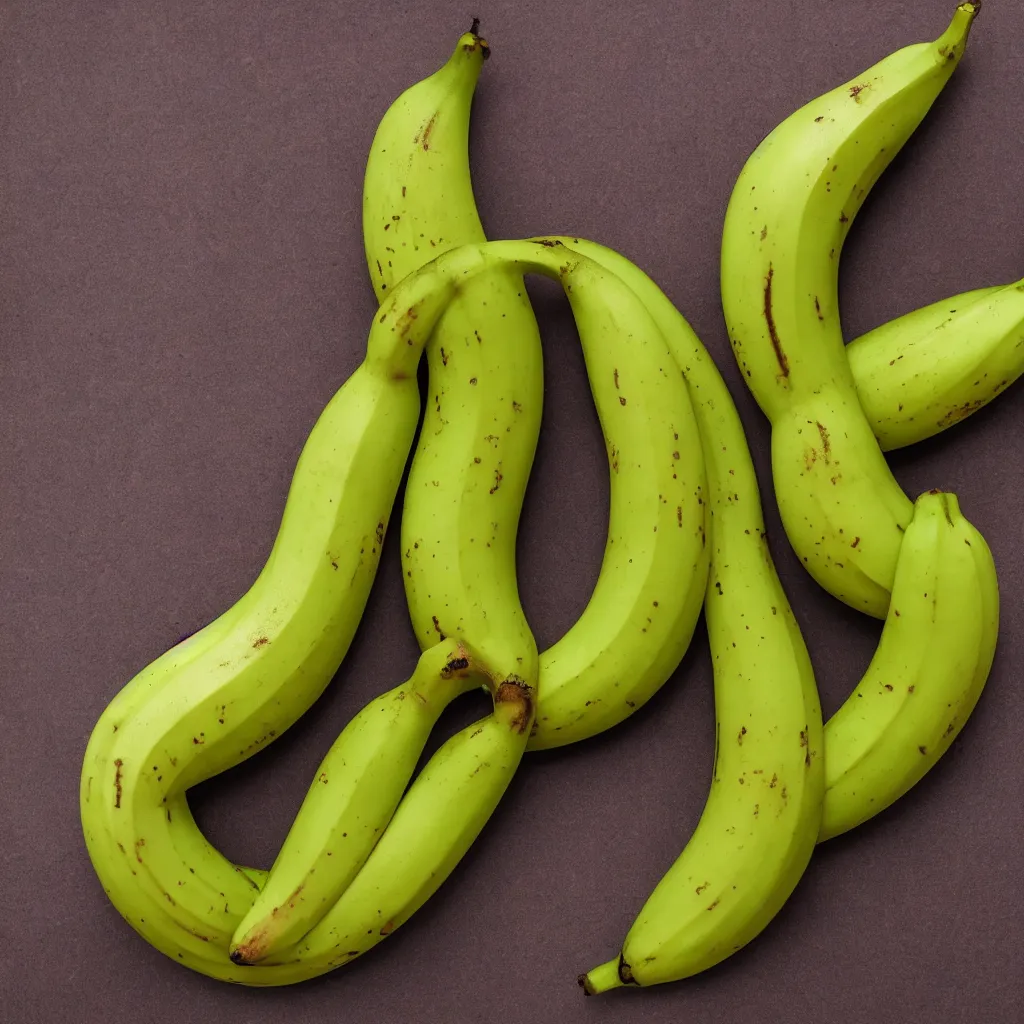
(760, 822)
(929, 670)
(226, 692)
(787, 218)
(771, 799)
(469, 474)
(929, 369)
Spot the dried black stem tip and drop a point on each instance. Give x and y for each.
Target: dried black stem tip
(474, 29)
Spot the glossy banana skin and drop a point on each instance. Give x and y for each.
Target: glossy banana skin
(928, 673)
(787, 218)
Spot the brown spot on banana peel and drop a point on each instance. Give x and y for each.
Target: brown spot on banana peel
(769, 319)
(826, 444)
(117, 782)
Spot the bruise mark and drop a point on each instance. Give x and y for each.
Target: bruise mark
(380, 269)
(497, 481)
(714, 903)
(826, 443)
(856, 90)
(139, 843)
(261, 641)
(622, 400)
(923, 750)
(774, 782)
(820, 117)
(444, 357)
(817, 308)
(117, 781)
(615, 374)
(769, 318)
(423, 137)
(613, 456)
(701, 888)
(856, 541)
(453, 666)
(549, 243)
(679, 514)
(380, 532)
(843, 219)
(888, 686)
(764, 232)
(741, 734)
(437, 626)
(516, 406)
(389, 926)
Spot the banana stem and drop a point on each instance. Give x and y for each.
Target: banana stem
(600, 979)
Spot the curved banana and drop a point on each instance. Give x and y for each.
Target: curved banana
(435, 824)
(761, 819)
(482, 419)
(226, 692)
(352, 798)
(926, 677)
(929, 369)
(787, 218)
(642, 613)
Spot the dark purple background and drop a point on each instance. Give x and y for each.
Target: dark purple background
(182, 287)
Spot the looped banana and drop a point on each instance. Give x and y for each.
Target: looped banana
(471, 466)
(787, 219)
(227, 691)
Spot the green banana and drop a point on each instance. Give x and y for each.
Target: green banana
(642, 613)
(481, 425)
(926, 677)
(761, 819)
(929, 369)
(352, 798)
(787, 218)
(226, 692)
(485, 392)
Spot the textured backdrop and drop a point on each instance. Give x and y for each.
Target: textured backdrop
(182, 287)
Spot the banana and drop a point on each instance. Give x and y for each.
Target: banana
(352, 797)
(761, 819)
(479, 436)
(482, 419)
(433, 827)
(224, 693)
(927, 370)
(787, 218)
(928, 673)
(641, 616)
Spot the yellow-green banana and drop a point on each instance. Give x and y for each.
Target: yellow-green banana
(761, 819)
(352, 797)
(479, 435)
(923, 372)
(482, 419)
(224, 693)
(787, 219)
(926, 677)
(640, 618)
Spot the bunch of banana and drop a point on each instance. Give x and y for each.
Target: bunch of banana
(371, 842)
